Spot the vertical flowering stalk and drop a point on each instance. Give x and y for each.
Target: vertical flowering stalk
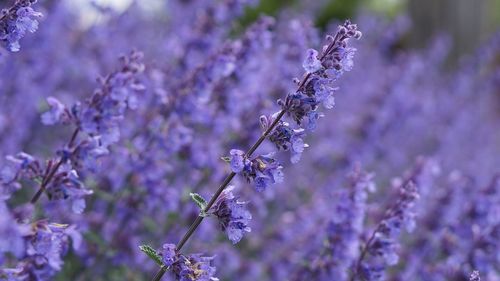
(340, 247)
(16, 21)
(380, 249)
(315, 88)
(98, 119)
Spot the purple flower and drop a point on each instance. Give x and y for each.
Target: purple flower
(193, 267)
(262, 170)
(46, 244)
(285, 138)
(107, 105)
(58, 113)
(238, 161)
(312, 63)
(67, 185)
(232, 214)
(301, 108)
(340, 248)
(15, 22)
(168, 254)
(11, 232)
(380, 250)
(322, 72)
(323, 90)
(20, 166)
(474, 276)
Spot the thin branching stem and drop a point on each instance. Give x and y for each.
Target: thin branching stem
(230, 177)
(48, 176)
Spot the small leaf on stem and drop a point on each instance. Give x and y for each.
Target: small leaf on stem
(199, 200)
(150, 252)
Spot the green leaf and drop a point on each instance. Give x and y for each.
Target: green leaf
(226, 159)
(199, 200)
(150, 252)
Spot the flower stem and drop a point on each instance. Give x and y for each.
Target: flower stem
(230, 177)
(160, 273)
(48, 177)
(223, 186)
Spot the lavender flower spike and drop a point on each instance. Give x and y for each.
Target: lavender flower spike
(16, 21)
(380, 249)
(96, 127)
(232, 214)
(322, 71)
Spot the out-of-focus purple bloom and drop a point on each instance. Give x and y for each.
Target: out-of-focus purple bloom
(262, 170)
(232, 214)
(86, 154)
(11, 232)
(67, 185)
(46, 243)
(16, 21)
(58, 113)
(22, 165)
(380, 250)
(12, 274)
(474, 276)
(340, 248)
(285, 138)
(107, 105)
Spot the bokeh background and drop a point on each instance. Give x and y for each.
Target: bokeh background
(422, 104)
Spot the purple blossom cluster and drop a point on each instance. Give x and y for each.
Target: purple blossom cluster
(122, 163)
(188, 268)
(380, 249)
(232, 214)
(262, 170)
(40, 250)
(16, 21)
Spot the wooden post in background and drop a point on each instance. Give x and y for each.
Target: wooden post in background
(468, 22)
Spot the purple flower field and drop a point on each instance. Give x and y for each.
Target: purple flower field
(189, 140)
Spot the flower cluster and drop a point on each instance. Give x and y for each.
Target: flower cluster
(322, 72)
(98, 119)
(67, 184)
(16, 21)
(194, 267)
(232, 214)
(341, 244)
(209, 78)
(285, 138)
(380, 250)
(474, 276)
(12, 232)
(46, 243)
(21, 165)
(262, 170)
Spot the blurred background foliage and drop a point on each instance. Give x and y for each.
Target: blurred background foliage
(468, 22)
